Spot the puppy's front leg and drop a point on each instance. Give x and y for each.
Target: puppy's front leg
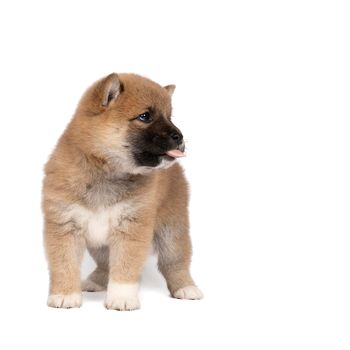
(64, 251)
(128, 251)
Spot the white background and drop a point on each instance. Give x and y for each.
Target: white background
(263, 100)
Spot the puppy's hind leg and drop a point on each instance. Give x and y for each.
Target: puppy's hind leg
(173, 246)
(98, 279)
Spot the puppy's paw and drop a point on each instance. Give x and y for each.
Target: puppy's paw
(122, 303)
(122, 296)
(90, 286)
(64, 301)
(188, 292)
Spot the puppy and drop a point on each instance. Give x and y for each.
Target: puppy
(113, 185)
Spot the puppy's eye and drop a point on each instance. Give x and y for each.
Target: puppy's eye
(145, 117)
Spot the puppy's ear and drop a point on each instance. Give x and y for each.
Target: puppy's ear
(170, 89)
(110, 89)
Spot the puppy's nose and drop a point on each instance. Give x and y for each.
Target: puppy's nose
(176, 136)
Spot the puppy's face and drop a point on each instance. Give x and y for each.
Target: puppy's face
(126, 119)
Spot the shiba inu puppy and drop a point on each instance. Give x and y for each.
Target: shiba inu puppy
(113, 185)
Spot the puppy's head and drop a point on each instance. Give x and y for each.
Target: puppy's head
(125, 119)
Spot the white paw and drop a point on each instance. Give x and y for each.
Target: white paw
(90, 286)
(122, 296)
(64, 301)
(189, 292)
(122, 303)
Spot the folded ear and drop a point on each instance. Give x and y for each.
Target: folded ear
(110, 89)
(170, 89)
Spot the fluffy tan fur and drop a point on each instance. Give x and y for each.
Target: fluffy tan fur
(94, 196)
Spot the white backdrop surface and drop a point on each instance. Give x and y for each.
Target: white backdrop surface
(263, 101)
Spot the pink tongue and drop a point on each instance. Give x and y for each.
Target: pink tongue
(175, 153)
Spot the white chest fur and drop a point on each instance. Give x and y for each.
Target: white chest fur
(96, 225)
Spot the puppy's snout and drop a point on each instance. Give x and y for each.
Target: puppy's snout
(176, 136)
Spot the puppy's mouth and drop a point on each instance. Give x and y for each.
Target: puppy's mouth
(154, 157)
(174, 153)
